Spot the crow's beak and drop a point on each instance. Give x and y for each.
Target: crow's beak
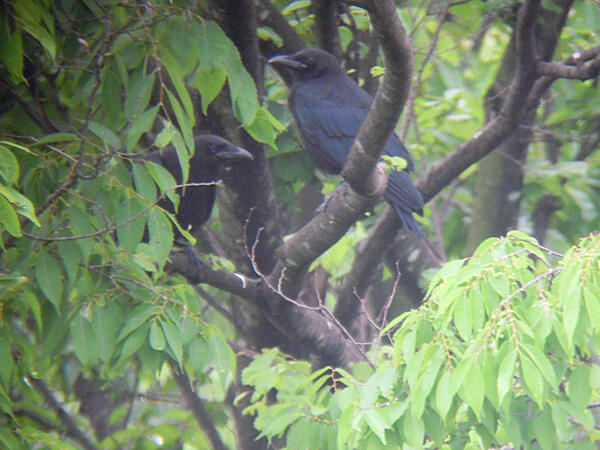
(286, 60)
(234, 154)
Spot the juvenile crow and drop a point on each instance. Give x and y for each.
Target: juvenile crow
(329, 108)
(210, 155)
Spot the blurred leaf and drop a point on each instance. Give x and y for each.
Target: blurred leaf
(50, 278)
(157, 338)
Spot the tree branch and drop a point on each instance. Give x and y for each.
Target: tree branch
(581, 71)
(73, 431)
(196, 405)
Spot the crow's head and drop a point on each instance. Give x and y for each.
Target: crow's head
(220, 150)
(309, 63)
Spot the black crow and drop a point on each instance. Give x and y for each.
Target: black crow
(210, 155)
(329, 108)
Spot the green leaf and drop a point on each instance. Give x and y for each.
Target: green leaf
(222, 360)
(591, 295)
(138, 96)
(49, 277)
(185, 124)
(542, 363)
(58, 137)
(161, 236)
(134, 341)
(474, 390)
(30, 15)
(7, 365)
(24, 207)
(71, 257)
(533, 379)
(9, 166)
(377, 424)
(265, 127)
(136, 318)
(506, 372)
(174, 340)
(414, 431)
(140, 125)
(175, 73)
(8, 218)
(209, 81)
(579, 389)
(443, 394)
(243, 91)
(105, 323)
(107, 136)
(11, 50)
(462, 318)
(130, 234)
(157, 338)
(144, 184)
(545, 431)
(164, 180)
(84, 341)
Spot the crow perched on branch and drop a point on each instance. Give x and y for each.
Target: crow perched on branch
(329, 108)
(210, 155)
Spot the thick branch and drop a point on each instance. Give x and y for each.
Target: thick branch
(196, 405)
(389, 100)
(341, 210)
(562, 70)
(468, 153)
(303, 329)
(326, 27)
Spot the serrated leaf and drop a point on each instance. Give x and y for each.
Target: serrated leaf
(130, 234)
(105, 323)
(7, 365)
(173, 335)
(23, 205)
(71, 257)
(136, 318)
(462, 318)
(84, 341)
(579, 389)
(176, 74)
(414, 431)
(265, 127)
(443, 395)
(222, 360)
(140, 125)
(106, 135)
(11, 50)
(160, 236)
(8, 218)
(533, 379)
(506, 374)
(50, 278)
(542, 363)
(9, 166)
(164, 180)
(377, 424)
(138, 96)
(209, 80)
(475, 389)
(157, 337)
(183, 120)
(134, 341)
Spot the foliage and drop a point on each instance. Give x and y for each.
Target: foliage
(502, 352)
(93, 327)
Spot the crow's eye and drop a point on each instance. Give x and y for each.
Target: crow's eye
(213, 149)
